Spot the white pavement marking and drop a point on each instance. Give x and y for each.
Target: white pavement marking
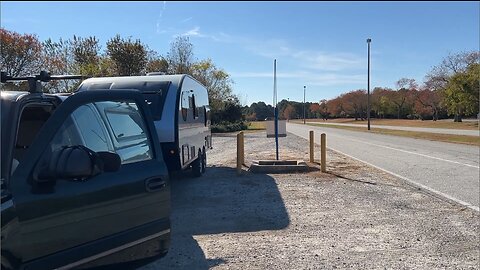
(409, 152)
(410, 181)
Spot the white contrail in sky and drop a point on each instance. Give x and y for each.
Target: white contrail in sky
(160, 17)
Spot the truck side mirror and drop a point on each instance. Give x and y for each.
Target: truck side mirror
(111, 161)
(76, 163)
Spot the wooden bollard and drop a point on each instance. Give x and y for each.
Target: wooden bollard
(240, 152)
(323, 152)
(311, 147)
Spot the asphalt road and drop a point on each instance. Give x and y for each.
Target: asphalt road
(420, 129)
(450, 170)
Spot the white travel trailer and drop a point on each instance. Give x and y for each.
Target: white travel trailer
(181, 113)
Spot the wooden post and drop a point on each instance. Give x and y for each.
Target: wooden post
(311, 147)
(242, 145)
(240, 152)
(323, 150)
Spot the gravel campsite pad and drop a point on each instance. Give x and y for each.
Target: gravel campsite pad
(353, 216)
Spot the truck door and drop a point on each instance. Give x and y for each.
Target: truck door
(71, 221)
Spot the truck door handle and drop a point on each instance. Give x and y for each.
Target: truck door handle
(155, 184)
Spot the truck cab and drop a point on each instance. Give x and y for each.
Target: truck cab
(83, 180)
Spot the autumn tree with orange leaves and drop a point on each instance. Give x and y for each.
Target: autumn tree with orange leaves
(20, 54)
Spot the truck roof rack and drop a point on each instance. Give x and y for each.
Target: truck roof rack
(34, 81)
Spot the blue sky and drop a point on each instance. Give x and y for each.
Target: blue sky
(321, 45)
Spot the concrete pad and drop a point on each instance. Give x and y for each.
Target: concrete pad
(278, 166)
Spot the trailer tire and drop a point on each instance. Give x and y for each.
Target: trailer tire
(204, 160)
(197, 165)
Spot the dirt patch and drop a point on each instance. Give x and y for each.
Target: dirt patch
(353, 216)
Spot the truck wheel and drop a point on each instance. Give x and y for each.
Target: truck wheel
(204, 161)
(197, 165)
(5, 263)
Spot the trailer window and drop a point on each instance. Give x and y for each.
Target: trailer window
(185, 105)
(194, 108)
(205, 115)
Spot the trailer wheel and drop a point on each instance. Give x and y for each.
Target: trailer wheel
(197, 165)
(204, 160)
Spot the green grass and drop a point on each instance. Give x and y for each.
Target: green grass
(446, 123)
(462, 139)
(256, 125)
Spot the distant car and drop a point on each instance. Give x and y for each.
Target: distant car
(83, 180)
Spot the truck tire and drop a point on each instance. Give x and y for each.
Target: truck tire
(5, 264)
(197, 165)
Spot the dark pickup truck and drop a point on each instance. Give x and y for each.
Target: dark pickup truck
(83, 180)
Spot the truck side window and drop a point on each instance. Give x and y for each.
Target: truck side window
(107, 126)
(83, 127)
(90, 128)
(128, 128)
(31, 121)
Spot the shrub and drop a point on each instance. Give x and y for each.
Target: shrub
(223, 127)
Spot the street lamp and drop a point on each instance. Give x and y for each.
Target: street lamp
(368, 85)
(304, 88)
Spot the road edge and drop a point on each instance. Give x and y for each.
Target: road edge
(431, 191)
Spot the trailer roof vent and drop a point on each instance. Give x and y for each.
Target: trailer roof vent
(156, 73)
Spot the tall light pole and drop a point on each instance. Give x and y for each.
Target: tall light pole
(368, 85)
(304, 89)
(275, 101)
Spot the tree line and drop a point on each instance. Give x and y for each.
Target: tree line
(25, 54)
(452, 88)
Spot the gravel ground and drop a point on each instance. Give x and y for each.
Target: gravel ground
(351, 217)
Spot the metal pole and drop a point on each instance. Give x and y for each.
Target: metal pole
(304, 104)
(276, 132)
(274, 87)
(276, 109)
(368, 85)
